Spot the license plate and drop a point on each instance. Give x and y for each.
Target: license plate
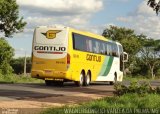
(48, 71)
(48, 79)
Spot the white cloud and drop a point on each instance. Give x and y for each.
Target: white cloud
(22, 53)
(97, 29)
(62, 6)
(144, 9)
(143, 20)
(124, 19)
(50, 12)
(73, 13)
(38, 20)
(78, 20)
(124, 0)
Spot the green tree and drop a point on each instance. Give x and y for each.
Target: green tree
(10, 23)
(131, 42)
(150, 55)
(6, 54)
(139, 68)
(9, 18)
(18, 65)
(155, 5)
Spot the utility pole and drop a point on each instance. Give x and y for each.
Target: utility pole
(25, 64)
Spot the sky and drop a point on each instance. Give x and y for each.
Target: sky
(89, 15)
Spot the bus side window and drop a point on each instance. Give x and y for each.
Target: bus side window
(117, 54)
(89, 45)
(79, 42)
(109, 49)
(83, 45)
(107, 45)
(98, 47)
(102, 48)
(94, 46)
(114, 50)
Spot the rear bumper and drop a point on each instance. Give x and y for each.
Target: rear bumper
(42, 74)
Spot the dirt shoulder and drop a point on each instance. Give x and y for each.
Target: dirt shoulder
(38, 96)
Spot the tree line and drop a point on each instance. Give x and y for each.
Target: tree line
(144, 52)
(10, 23)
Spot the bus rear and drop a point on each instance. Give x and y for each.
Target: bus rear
(49, 53)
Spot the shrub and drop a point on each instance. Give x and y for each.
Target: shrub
(6, 54)
(135, 87)
(132, 103)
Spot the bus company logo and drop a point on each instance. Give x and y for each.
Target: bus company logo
(90, 57)
(51, 34)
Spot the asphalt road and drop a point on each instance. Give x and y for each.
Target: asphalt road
(40, 95)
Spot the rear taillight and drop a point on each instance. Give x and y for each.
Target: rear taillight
(68, 58)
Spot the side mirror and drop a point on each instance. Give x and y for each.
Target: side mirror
(125, 57)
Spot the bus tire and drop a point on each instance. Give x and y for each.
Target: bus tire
(87, 79)
(48, 82)
(81, 80)
(58, 83)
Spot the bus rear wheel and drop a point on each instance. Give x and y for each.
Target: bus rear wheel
(87, 79)
(48, 82)
(58, 83)
(81, 80)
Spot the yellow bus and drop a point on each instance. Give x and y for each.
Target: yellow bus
(62, 54)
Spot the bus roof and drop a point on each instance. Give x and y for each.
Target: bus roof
(100, 37)
(83, 32)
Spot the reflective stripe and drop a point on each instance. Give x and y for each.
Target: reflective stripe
(106, 66)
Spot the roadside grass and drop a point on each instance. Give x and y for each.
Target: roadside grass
(13, 78)
(137, 78)
(127, 101)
